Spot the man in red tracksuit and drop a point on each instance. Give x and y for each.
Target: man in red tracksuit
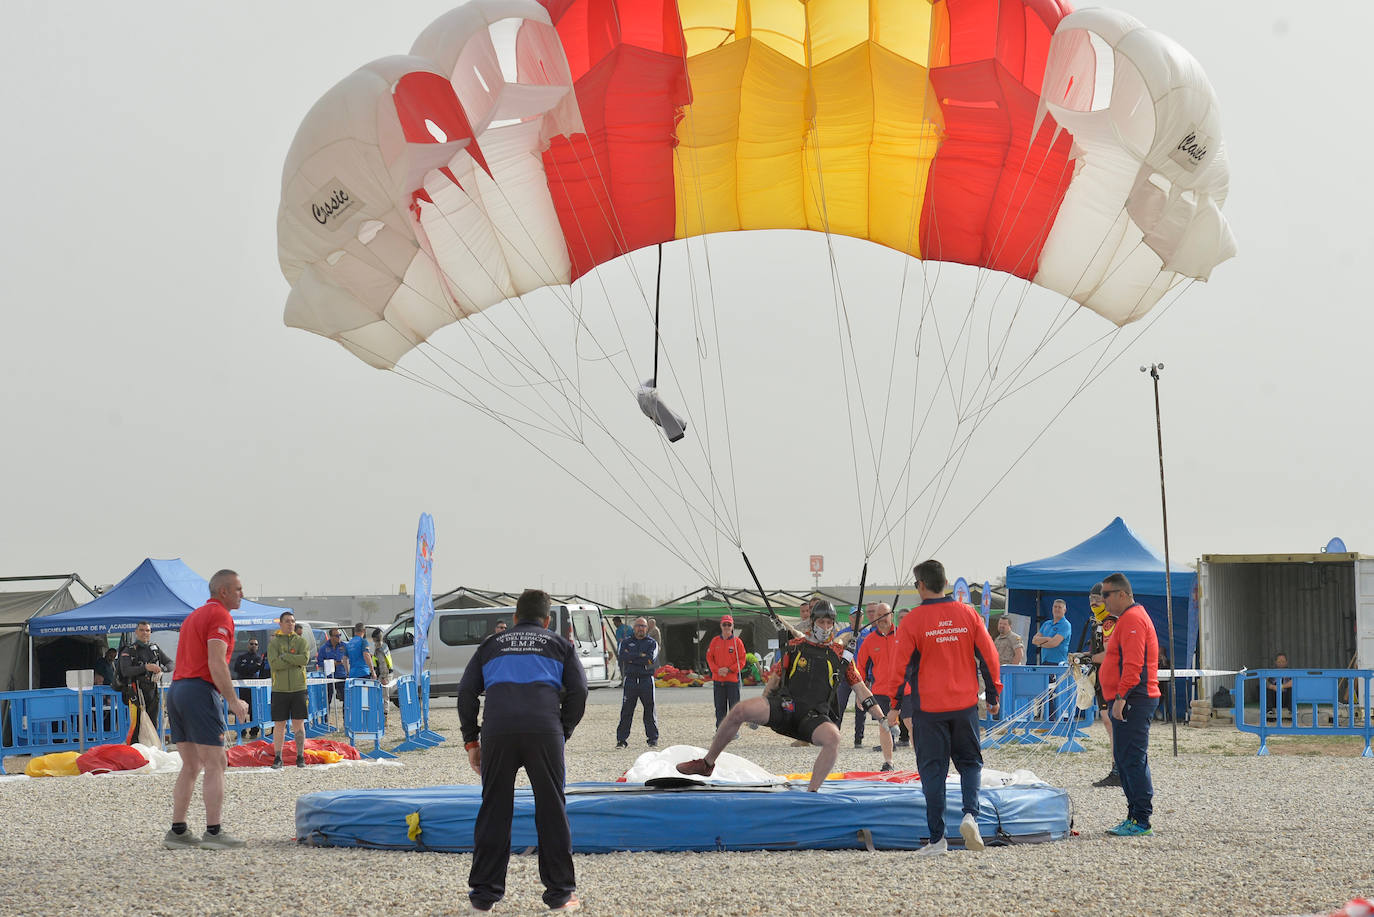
(725, 658)
(943, 647)
(1129, 679)
(872, 662)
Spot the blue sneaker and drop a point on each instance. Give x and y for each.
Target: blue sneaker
(1114, 829)
(1130, 828)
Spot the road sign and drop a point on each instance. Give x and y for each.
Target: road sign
(817, 563)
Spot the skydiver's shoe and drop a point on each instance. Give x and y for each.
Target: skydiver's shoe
(183, 841)
(696, 767)
(1112, 779)
(935, 849)
(1131, 828)
(887, 766)
(276, 763)
(968, 828)
(622, 744)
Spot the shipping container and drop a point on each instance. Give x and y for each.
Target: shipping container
(1318, 609)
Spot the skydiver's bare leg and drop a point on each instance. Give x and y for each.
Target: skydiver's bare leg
(753, 710)
(827, 736)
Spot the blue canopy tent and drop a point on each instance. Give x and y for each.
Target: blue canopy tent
(1032, 587)
(161, 592)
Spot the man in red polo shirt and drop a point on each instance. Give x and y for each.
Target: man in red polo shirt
(1129, 679)
(201, 685)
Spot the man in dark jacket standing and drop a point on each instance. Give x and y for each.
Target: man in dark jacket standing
(636, 654)
(141, 664)
(536, 693)
(249, 665)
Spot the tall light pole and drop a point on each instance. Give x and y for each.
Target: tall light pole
(1154, 369)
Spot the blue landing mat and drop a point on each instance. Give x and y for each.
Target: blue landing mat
(608, 817)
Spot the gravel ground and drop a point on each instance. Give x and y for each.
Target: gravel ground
(1235, 834)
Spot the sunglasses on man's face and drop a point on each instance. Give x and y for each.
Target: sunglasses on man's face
(1107, 592)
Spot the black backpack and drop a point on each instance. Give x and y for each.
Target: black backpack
(1221, 699)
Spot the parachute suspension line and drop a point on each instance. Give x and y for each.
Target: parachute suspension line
(844, 327)
(778, 622)
(583, 408)
(654, 532)
(620, 330)
(658, 302)
(1091, 377)
(695, 166)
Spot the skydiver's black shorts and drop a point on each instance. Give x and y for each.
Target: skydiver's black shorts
(786, 720)
(288, 705)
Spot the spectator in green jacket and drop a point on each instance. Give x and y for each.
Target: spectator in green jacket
(288, 654)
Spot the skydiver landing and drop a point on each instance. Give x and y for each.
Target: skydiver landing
(799, 699)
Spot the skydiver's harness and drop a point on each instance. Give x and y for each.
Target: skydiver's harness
(810, 679)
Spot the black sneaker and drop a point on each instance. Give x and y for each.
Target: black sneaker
(622, 744)
(859, 744)
(887, 766)
(276, 763)
(652, 743)
(1112, 779)
(300, 760)
(902, 743)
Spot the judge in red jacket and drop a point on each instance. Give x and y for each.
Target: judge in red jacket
(1129, 679)
(725, 659)
(943, 647)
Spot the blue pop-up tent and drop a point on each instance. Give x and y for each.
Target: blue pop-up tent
(1032, 587)
(161, 592)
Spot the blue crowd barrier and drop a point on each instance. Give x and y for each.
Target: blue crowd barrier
(1058, 717)
(51, 720)
(317, 706)
(426, 732)
(259, 711)
(412, 716)
(1316, 695)
(364, 717)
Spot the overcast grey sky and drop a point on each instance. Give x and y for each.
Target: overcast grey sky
(155, 404)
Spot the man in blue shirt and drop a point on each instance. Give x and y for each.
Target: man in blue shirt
(1053, 636)
(636, 654)
(359, 653)
(333, 650)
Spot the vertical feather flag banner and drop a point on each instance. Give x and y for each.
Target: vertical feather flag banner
(424, 590)
(985, 606)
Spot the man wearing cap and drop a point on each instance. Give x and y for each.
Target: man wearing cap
(249, 664)
(1130, 683)
(725, 659)
(800, 699)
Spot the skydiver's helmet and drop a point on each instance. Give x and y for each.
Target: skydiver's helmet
(822, 621)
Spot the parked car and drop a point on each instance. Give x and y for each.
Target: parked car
(455, 633)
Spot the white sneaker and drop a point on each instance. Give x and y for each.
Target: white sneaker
(969, 829)
(935, 849)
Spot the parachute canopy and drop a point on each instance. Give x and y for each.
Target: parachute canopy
(521, 144)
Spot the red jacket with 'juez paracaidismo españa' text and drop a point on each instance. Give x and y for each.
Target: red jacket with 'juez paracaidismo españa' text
(942, 648)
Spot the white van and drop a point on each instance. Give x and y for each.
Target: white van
(455, 633)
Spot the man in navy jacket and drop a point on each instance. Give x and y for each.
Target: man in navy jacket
(536, 693)
(637, 653)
